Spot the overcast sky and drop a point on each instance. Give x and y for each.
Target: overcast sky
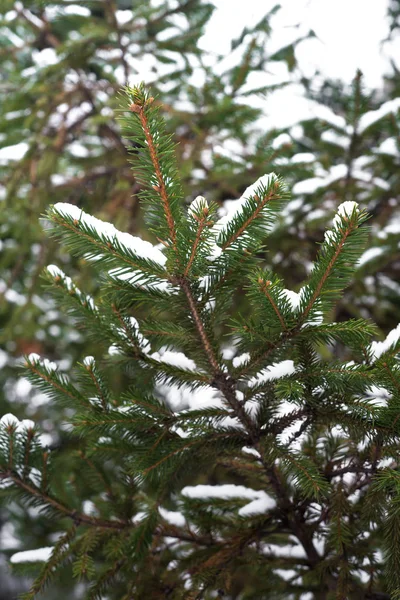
(349, 32)
(349, 36)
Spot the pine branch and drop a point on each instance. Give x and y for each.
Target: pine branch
(107, 250)
(264, 285)
(249, 224)
(335, 263)
(60, 508)
(199, 326)
(200, 214)
(138, 107)
(156, 167)
(60, 554)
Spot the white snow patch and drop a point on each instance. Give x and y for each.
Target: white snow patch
(43, 362)
(26, 424)
(16, 152)
(308, 186)
(172, 517)
(77, 149)
(379, 348)
(388, 146)
(197, 205)
(88, 361)
(302, 157)
(138, 517)
(260, 501)
(89, 508)
(177, 359)
(370, 254)
(294, 550)
(139, 247)
(3, 358)
(331, 137)
(274, 371)
(326, 114)
(9, 419)
(56, 272)
(371, 117)
(45, 58)
(184, 398)
(233, 207)
(76, 9)
(38, 555)
(393, 228)
(123, 16)
(252, 451)
(240, 360)
(281, 140)
(293, 298)
(344, 210)
(215, 253)
(337, 172)
(259, 506)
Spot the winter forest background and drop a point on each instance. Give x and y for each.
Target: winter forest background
(309, 90)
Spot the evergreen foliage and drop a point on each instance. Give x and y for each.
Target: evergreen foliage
(245, 459)
(350, 150)
(60, 68)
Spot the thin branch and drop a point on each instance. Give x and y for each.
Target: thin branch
(203, 223)
(264, 285)
(261, 204)
(106, 247)
(199, 326)
(61, 508)
(56, 385)
(325, 276)
(161, 187)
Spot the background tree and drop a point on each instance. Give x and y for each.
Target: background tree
(299, 453)
(350, 152)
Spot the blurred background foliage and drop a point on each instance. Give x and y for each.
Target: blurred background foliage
(62, 65)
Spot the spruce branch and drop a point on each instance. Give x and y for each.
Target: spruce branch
(327, 272)
(201, 215)
(156, 166)
(54, 383)
(61, 553)
(264, 285)
(47, 500)
(254, 207)
(199, 326)
(139, 107)
(85, 237)
(335, 262)
(301, 429)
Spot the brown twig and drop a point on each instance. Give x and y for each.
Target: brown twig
(161, 187)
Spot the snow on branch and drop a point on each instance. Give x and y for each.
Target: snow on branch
(275, 371)
(38, 555)
(379, 348)
(9, 419)
(260, 501)
(107, 231)
(250, 209)
(60, 277)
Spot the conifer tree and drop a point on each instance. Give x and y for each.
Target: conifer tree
(349, 152)
(241, 461)
(60, 68)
